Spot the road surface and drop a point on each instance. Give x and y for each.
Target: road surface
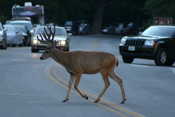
(30, 87)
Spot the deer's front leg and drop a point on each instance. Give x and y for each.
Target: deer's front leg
(77, 81)
(69, 89)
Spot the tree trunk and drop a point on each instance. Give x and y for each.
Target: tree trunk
(98, 17)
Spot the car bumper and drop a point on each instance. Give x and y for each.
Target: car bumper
(138, 52)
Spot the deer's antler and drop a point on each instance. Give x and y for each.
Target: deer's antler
(48, 34)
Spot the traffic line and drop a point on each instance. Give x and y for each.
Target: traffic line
(122, 112)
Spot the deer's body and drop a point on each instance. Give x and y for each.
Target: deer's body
(82, 62)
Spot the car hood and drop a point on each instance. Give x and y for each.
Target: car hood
(148, 37)
(57, 38)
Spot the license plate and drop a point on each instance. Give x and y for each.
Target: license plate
(131, 48)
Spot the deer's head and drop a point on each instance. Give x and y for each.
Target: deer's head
(47, 36)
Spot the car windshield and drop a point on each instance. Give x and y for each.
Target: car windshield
(164, 31)
(10, 28)
(59, 31)
(21, 28)
(24, 23)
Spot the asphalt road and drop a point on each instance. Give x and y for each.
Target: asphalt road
(30, 87)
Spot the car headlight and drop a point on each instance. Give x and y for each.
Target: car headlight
(123, 41)
(62, 42)
(35, 41)
(149, 43)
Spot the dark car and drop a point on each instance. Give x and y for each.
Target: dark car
(156, 42)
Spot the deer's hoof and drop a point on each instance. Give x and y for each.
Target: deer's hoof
(97, 100)
(65, 100)
(86, 97)
(123, 101)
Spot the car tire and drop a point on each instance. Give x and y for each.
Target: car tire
(162, 58)
(127, 59)
(66, 49)
(34, 50)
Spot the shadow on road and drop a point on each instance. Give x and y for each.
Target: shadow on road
(153, 65)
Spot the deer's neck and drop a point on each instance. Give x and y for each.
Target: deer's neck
(59, 56)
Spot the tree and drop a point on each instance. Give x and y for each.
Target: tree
(161, 7)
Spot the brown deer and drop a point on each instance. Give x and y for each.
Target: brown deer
(82, 62)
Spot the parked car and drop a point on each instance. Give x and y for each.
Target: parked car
(14, 37)
(84, 28)
(156, 42)
(3, 39)
(28, 27)
(68, 26)
(25, 33)
(61, 37)
(110, 29)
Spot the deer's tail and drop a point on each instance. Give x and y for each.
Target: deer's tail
(117, 63)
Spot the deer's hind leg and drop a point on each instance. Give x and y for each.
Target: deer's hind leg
(106, 82)
(77, 81)
(117, 78)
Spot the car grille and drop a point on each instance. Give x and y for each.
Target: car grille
(135, 42)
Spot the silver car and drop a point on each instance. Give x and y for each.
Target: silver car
(3, 41)
(28, 27)
(14, 37)
(61, 37)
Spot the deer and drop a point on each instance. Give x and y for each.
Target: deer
(77, 63)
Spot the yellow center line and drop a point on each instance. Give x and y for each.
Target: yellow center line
(103, 103)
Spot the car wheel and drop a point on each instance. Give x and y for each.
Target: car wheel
(66, 49)
(127, 59)
(34, 50)
(162, 58)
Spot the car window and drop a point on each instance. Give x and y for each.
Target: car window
(39, 30)
(159, 31)
(59, 31)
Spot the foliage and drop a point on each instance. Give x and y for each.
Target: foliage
(97, 12)
(161, 7)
